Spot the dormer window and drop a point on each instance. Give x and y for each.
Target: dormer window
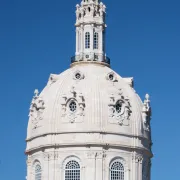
(87, 40)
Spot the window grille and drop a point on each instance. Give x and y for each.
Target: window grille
(96, 40)
(72, 171)
(87, 40)
(38, 172)
(72, 105)
(117, 171)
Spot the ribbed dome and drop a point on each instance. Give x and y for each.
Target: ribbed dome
(89, 99)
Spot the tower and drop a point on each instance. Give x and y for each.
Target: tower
(89, 122)
(90, 31)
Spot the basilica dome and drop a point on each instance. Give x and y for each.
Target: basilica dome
(89, 100)
(89, 122)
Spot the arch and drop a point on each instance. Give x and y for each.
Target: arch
(87, 40)
(37, 170)
(72, 168)
(117, 169)
(96, 40)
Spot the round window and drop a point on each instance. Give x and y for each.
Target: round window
(78, 76)
(111, 77)
(72, 106)
(118, 107)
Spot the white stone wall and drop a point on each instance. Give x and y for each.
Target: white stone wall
(94, 162)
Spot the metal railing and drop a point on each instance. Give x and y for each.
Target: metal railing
(78, 59)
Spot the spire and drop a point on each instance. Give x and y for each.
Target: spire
(90, 32)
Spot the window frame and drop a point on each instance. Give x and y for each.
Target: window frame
(120, 173)
(71, 172)
(96, 40)
(87, 40)
(37, 174)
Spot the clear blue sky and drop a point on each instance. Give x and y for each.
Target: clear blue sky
(37, 38)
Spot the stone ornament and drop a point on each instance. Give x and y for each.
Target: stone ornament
(96, 154)
(146, 113)
(36, 109)
(52, 79)
(73, 106)
(90, 9)
(119, 109)
(137, 158)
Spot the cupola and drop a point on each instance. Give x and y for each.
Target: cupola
(90, 32)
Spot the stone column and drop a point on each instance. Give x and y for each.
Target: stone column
(100, 44)
(140, 167)
(135, 167)
(46, 167)
(82, 40)
(77, 40)
(29, 170)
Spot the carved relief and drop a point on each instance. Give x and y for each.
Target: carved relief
(36, 109)
(146, 113)
(51, 156)
(119, 109)
(91, 9)
(96, 155)
(138, 158)
(73, 106)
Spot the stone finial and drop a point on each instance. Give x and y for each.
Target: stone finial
(146, 112)
(147, 102)
(36, 92)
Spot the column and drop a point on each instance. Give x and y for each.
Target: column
(100, 44)
(135, 167)
(140, 167)
(29, 165)
(77, 40)
(82, 40)
(92, 42)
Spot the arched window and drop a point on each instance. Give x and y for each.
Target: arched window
(116, 171)
(87, 40)
(96, 40)
(72, 170)
(37, 172)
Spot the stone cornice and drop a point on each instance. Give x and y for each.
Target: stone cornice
(104, 145)
(88, 132)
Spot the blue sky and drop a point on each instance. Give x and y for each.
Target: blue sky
(38, 38)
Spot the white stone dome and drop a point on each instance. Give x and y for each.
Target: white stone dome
(87, 104)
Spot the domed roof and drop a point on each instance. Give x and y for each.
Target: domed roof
(87, 98)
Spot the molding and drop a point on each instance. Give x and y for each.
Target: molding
(90, 132)
(119, 146)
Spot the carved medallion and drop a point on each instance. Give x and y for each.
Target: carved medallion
(119, 109)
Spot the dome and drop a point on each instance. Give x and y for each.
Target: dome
(88, 122)
(88, 100)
